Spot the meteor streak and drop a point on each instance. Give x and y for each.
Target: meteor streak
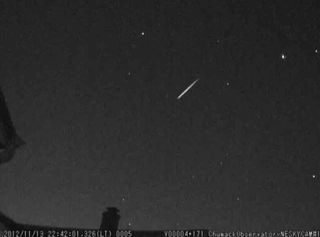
(188, 88)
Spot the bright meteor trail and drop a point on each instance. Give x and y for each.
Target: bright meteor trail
(188, 88)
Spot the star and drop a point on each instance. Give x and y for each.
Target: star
(142, 33)
(283, 56)
(313, 176)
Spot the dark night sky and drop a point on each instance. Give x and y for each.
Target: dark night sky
(92, 88)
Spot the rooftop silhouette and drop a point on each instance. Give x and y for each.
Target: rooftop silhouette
(110, 221)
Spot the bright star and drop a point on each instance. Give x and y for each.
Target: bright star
(283, 56)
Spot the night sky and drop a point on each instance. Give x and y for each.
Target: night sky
(92, 89)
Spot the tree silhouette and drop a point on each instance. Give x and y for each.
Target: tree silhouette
(9, 140)
(110, 219)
